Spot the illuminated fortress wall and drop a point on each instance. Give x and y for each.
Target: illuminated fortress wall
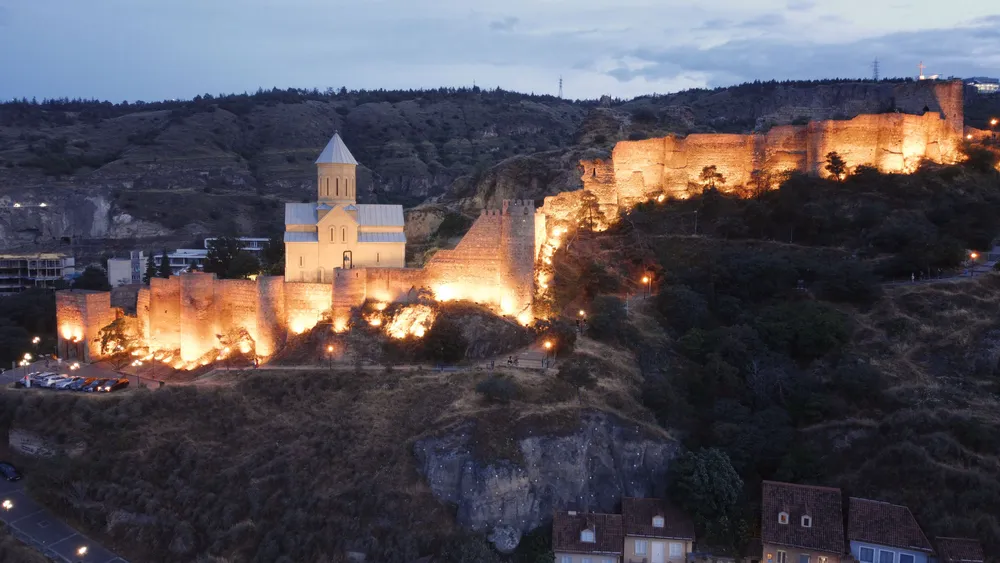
(80, 316)
(165, 313)
(927, 124)
(305, 304)
(271, 318)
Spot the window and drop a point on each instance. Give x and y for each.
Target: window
(587, 560)
(343, 234)
(333, 233)
(376, 257)
(587, 536)
(565, 559)
(803, 558)
(657, 521)
(807, 521)
(886, 556)
(866, 555)
(607, 561)
(640, 547)
(676, 549)
(905, 558)
(300, 261)
(338, 186)
(782, 557)
(782, 517)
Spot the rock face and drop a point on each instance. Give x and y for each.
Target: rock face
(589, 469)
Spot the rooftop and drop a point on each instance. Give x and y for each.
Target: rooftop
(885, 524)
(607, 528)
(336, 152)
(821, 504)
(638, 515)
(959, 550)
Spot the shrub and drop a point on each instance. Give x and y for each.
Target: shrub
(497, 389)
(444, 341)
(682, 308)
(563, 336)
(576, 372)
(805, 330)
(608, 319)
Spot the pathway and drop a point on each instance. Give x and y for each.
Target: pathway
(34, 525)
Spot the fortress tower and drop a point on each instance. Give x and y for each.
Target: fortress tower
(517, 255)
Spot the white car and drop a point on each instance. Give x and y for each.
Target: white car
(51, 381)
(64, 383)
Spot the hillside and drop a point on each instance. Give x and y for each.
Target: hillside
(173, 171)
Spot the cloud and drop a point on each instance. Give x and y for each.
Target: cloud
(506, 24)
(801, 5)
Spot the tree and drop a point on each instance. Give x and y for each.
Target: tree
(165, 271)
(706, 486)
(836, 166)
(242, 266)
(576, 372)
(119, 339)
(272, 257)
(221, 252)
(444, 341)
(150, 272)
(711, 178)
(93, 277)
(590, 215)
(607, 318)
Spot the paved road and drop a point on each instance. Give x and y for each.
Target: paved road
(40, 529)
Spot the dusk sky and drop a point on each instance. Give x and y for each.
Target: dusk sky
(139, 49)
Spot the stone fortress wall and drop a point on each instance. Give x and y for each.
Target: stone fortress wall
(926, 121)
(192, 312)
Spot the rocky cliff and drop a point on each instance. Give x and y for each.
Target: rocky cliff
(591, 468)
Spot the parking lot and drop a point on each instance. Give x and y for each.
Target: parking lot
(37, 527)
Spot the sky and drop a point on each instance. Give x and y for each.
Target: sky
(152, 50)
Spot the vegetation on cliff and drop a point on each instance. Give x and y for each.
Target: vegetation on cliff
(772, 339)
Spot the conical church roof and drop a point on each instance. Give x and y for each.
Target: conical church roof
(336, 152)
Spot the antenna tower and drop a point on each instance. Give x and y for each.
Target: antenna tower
(560, 86)
(875, 76)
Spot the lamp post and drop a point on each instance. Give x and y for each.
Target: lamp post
(993, 125)
(647, 280)
(549, 347)
(329, 355)
(972, 263)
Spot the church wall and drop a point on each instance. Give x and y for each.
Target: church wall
(199, 325)
(302, 262)
(165, 313)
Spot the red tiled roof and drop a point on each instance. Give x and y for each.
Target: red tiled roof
(885, 524)
(822, 504)
(639, 512)
(607, 529)
(959, 550)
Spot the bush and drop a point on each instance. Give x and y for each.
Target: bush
(497, 389)
(682, 308)
(445, 342)
(576, 372)
(608, 319)
(563, 336)
(805, 330)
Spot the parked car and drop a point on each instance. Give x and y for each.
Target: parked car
(66, 383)
(94, 385)
(118, 385)
(50, 382)
(9, 472)
(80, 383)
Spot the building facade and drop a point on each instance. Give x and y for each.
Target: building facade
(336, 231)
(880, 532)
(124, 271)
(19, 272)
(801, 524)
(656, 531)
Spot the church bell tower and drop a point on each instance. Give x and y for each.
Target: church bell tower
(336, 174)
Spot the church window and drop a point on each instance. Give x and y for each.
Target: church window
(338, 187)
(300, 261)
(376, 257)
(333, 234)
(343, 234)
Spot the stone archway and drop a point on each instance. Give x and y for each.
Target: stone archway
(348, 260)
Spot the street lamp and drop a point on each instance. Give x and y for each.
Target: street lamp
(81, 551)
(329, 354)
(36, 340)
(549, 347)
(7, 504)
(993, 123)
(647, 280)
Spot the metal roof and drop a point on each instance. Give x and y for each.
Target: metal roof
(336, 152)
(381, 237)
(300, 213)
(293, 236)
(373, 215)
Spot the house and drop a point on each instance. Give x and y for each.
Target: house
(959, 550)
(19, 272)
(880, 532)
(656, 531)
(586, 537)
(336, 231)
(801, 523)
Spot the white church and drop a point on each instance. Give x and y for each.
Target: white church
(336, 231)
